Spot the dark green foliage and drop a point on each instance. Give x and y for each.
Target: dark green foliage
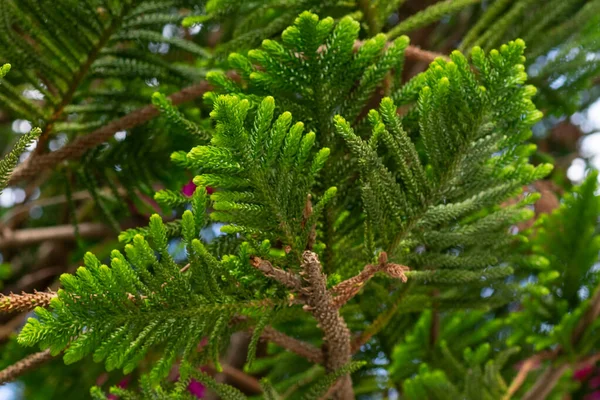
(565, 249)
(325, 138)
(321, 386)
(438, 210)
(480, 373)
(265, 171)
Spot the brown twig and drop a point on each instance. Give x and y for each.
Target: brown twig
(416, 53)
(75, 149)
(518, 381)
(238, 378)
(350, 287)
(19, 368)
(303, 349)
(24, 237)
(546, 382)
(286, 278)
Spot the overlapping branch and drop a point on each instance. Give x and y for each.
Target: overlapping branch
(14, 371)
(79, 146)
(303, 349)
(548, 379)
(34, 165)
(25, 301)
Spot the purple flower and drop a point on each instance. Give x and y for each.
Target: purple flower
(196, 388)
(189, 188)
(583, 373)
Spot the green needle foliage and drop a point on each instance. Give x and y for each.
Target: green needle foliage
(141, 301)
(359, 210)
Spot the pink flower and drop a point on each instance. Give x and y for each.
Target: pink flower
(583, 373)
(189, 188)
(196, 388)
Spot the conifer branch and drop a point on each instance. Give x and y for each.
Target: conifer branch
(296, 346)
(24, 237)
(78, 78)
(380, 322)
(79, 146)
(336, 334)
(546, 382)
(25, 301)
(19, 368)
(34, 165)
(286, 278)
(350, 287)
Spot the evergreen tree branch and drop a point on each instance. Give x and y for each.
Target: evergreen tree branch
(350, 287)
(34, 165)
(296, 346)
(286, 278)
(19, 368)
(24, 237)
(546, 382)
(25, 301)
(79, 77)
(321, 305)
(380, 322)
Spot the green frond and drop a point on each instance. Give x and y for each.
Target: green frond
(263, 170)
(320, 387)
(142, 301)
(8, 162)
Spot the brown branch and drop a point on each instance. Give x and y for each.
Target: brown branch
(34, 165)
(336, 346)
(413, 52)
(286, 278)
(19, 368)
(75, 149)
(50, 201)
(518, 381)
(25, 301)
(416, 53)
(350, 287)
(24, 237)
(239, 379)
(546, 382)
(303, 349)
